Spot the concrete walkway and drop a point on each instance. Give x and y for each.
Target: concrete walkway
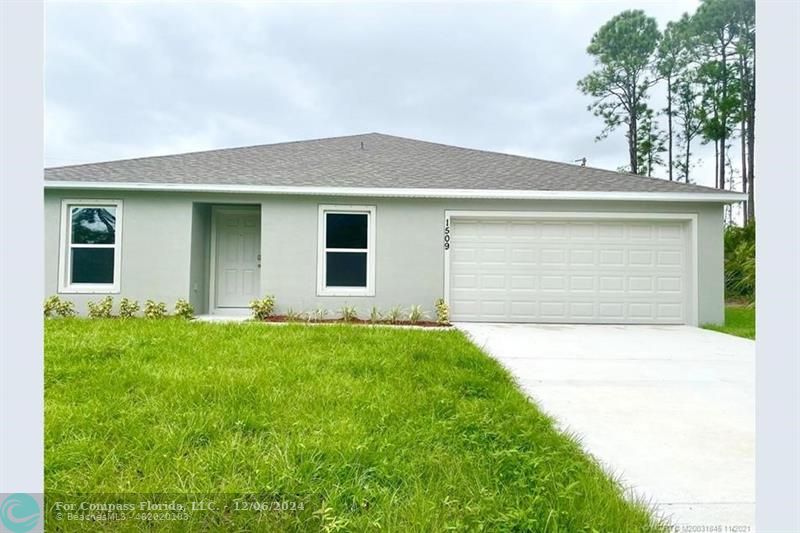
(671, 409)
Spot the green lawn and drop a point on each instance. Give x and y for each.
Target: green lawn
(365, 427)
(739, 321)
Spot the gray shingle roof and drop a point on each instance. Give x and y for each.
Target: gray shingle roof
(385, 161)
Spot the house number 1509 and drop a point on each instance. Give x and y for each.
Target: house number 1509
(447, 234)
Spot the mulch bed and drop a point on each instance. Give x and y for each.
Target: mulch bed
(421, 323)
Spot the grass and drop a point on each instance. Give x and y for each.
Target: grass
(739, 320)
(367, 428)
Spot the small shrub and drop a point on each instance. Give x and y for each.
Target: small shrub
(128, 308)
(442, 311)
(51, 306)
(155, 309)
(263, 308)
(318, 315)
(56, 306)
(293, 316)
(374, 315)
(184, 309)
(65, 308)
(101, 309)
(348, 313)
(394, 315)
(415, 314)
(740, 262)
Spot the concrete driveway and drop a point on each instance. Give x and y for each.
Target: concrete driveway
(670, 409)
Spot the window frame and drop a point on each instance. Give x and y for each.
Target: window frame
(66, 246)
(322, 288)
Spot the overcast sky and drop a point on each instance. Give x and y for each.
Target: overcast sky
(129, 80)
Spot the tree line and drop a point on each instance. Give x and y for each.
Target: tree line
(706, 63)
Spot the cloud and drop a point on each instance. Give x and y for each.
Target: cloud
(134, 79)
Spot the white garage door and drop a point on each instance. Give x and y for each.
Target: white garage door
(570, 271)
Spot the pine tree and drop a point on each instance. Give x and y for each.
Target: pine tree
(623, 49)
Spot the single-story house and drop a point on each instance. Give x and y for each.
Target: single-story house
(378, 220)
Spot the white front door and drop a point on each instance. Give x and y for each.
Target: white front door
(238, 257)
(570, 271)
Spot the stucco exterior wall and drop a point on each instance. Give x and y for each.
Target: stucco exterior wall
(155, 240)
(165, 254)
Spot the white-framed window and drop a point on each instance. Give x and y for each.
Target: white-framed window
(346, 251)
(90, 246)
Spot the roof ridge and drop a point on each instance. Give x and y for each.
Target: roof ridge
(213, 150)
(549, 174)
(548, 161)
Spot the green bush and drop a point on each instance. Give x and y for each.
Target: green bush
(294, 316)
(442, 311)
(102, 308)
(394, 315)
(375, 315)
(318, 315)
(348, 313)
(262, 309)
(184, 309)
(740, 262)
(51, 306)
(128, 308)
(66, 308)
(56, 306)
(155, 309)
(415, 314)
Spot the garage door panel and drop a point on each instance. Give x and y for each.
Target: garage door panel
(582, 257)
(641, 310)
(523, 256)
(493, 308)
(463, 254)
(569, 271)
(492, 255)
(553, 257)
(612, 311)
(552, 283)
(582, 231)
(670, 311)
(670, 284)
(468, 308)
(640, 284)
(525, 309)
(611, 257)
(523, 231)
(493, 281)
(465, 281)
(670, 232)
(582, 310)
(523, 281)
(612, 284)
(640, 232)
(668, 258)
(553, 231)
(553, 310)
(640, 258)
(579, 284)
(612, 231)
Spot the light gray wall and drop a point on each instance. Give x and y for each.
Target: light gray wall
(162, 258)
(409, 249)
(155, 240)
